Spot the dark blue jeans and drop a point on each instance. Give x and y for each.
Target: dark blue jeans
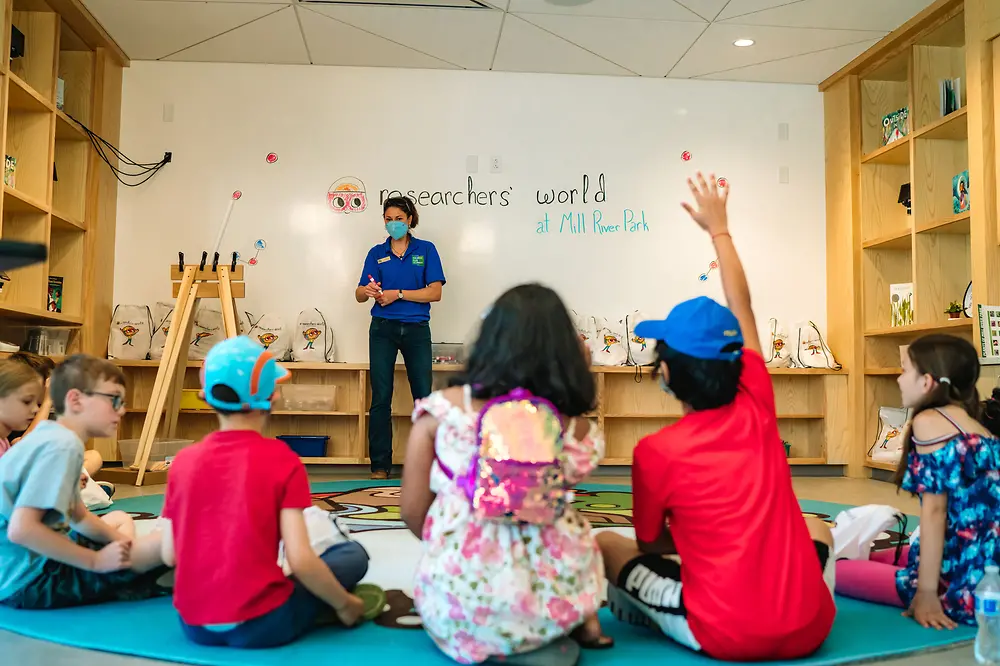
(295, 617)
(385, 338)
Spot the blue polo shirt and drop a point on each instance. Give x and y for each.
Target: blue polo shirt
(419, 267)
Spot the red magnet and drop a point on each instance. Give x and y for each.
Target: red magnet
(714, 264)
(271, 158)
(252, 261)
(723, 182)
(236, 195)
(686, 156)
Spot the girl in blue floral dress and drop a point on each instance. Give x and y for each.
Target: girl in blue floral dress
(951, 462)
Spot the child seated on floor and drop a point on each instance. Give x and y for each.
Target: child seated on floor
(43, 366)
(951, 461)
(230, 500)
(20, 392)
(715, 489)
(42, 563)
(487, 589)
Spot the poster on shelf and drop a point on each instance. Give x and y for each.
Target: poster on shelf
(989, 331)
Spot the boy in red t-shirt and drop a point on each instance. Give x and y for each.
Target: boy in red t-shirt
(231, 499)
(754, 580)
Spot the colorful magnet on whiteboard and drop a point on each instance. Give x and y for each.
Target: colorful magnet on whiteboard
(703, 277)
(236, 195)
(252, 261)
(714, 264)
(260, 244)
(271, 158)
(723, 182)
(686, 156)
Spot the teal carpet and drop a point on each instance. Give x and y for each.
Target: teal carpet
(862, 632)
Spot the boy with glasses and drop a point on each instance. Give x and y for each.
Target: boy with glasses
(54, 553)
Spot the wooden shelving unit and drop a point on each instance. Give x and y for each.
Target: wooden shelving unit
(872, 241)
(59, 195)
(810, 407)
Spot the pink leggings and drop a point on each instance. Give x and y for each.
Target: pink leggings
(873, 579)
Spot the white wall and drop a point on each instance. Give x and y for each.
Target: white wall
(413, 130)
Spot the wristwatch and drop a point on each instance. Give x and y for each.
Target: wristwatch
(400, 294)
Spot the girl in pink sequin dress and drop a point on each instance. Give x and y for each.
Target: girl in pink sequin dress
(487, 589)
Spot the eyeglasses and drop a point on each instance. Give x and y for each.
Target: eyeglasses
(117, 402)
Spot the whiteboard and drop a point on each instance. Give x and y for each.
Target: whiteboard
(424, 131)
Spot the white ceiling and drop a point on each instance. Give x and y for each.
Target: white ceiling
(797, 41)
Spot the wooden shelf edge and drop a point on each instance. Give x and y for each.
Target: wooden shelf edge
(960, 115)
(275, 412)
(803, 417)
(68, 220)
(944, 222)
(38, 316)
(887, 240)
(873, 464)
(878, 156)
(36, 205)
(946, 325)
(77, 133)
(30, 91)
(883, 371)
(809, 461)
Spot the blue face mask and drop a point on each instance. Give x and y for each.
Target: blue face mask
(397, 229)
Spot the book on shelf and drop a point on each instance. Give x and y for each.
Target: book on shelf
(901, 303)
(895, 126)
(54, 302)
(960, 193)
(989, 331)
(950, 95)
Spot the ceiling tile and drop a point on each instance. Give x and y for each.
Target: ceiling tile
(274, 39)
(707, 9)
(525, 47)
(648, 48)
(499, 4)
(741, 7)
(664, 10)
(714, 50)
(811, 68)
(886, 15)
(152, 29)
(461, 37)
(331, 42)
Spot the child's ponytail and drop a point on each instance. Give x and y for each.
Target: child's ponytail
(954, 365)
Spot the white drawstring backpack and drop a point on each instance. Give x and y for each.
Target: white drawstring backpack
(811, 349)
(607, 347)
(858, 528)
(641, 351)
(269, 330)
(206, 332)
(163, 314)
(313, 340)
(131, 332)
(780, 351)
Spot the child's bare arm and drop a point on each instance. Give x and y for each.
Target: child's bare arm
(926, 607)
(27, 530)
(416, 497)
(167, 552)
(583, 448)
(310, 570)
(711, 216)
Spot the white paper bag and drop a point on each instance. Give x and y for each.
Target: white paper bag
(325, 531)
(313, 340)
(641, 351)
(269, 330)
(163, 314)
(888, 445)
(131, 332)
(858, 528)
(608, 345)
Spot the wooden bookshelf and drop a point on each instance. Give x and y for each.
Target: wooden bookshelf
(872, 241)
(62, 194)
(810, 404)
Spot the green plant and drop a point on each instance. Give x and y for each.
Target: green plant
(954, 308)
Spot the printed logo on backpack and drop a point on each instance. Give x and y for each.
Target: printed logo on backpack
(516, 475)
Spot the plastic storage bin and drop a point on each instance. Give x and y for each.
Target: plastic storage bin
(448, 352)
(307, 398)
(306, 446)
(160, 451)
(190, 400)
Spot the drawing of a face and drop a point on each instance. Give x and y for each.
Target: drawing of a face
(311, 334)
(129, 331)
(267, 339)
(347, 195)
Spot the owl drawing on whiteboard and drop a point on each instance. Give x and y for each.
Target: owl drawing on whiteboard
(347, 196)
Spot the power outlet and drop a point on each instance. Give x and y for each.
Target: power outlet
(495, 165)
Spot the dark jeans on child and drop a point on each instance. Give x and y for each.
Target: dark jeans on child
(386, 337)
(63, 586)
(348, 562)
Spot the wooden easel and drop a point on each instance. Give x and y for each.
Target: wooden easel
(191, 283)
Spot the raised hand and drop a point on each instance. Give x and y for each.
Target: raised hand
(710, 200)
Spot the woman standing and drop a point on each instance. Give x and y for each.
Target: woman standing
(404, 276)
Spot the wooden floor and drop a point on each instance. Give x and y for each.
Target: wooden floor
(27, 652)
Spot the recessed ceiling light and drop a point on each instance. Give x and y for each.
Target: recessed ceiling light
(743, 42)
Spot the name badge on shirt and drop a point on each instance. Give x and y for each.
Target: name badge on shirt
(382, 260)
(418, 260)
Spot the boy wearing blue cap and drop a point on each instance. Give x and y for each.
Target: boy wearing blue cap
(231, 499)
(715, 489)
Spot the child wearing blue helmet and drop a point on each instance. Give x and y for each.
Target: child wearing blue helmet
(754, 580)
(231, 499)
